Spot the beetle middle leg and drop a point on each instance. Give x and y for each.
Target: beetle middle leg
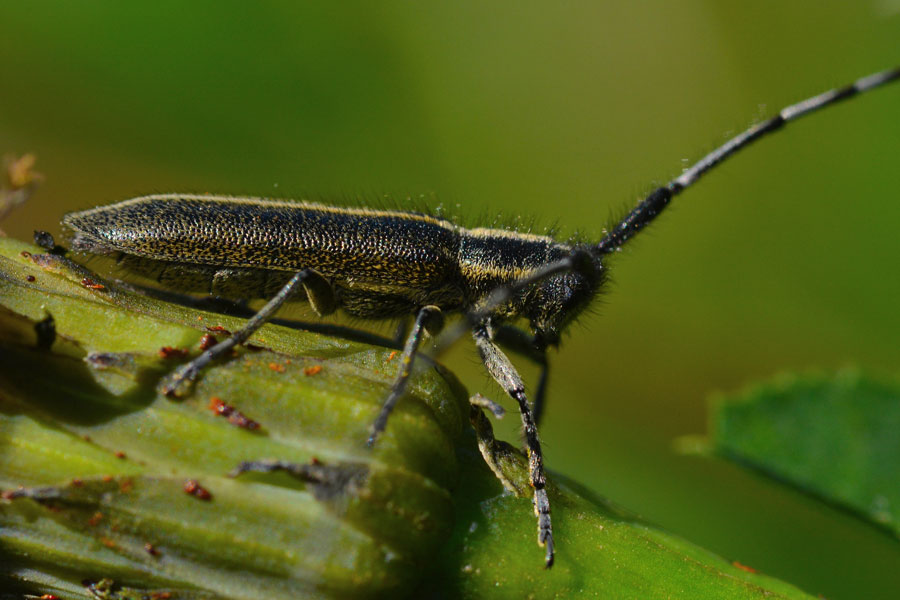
(430, 319)
(320, 295)
(505, 374)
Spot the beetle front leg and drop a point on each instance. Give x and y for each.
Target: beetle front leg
(525, 344)
(505, 374)
(499, 456)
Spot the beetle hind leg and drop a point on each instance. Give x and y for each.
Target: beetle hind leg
(177, 383)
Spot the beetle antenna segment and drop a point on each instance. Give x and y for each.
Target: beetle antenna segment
(645, 212)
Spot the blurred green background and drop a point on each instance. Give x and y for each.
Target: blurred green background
(785, 259)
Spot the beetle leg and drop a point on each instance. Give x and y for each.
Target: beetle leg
(505, 374)
(319, 293)
(499, 456)
(174, 383)
(524, 344)
(326, 481)
(430, 319)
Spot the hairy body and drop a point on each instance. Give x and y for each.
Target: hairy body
(382, 264)
(379, 263)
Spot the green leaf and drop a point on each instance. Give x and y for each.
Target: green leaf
(113, 491)
(834, 436)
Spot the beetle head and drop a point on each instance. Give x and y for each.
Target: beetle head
(556, 301)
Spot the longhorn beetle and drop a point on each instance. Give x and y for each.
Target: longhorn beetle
(382, 264)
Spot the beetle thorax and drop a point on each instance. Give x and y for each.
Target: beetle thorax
(491, 258)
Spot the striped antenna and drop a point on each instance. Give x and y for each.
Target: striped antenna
(650, 208)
